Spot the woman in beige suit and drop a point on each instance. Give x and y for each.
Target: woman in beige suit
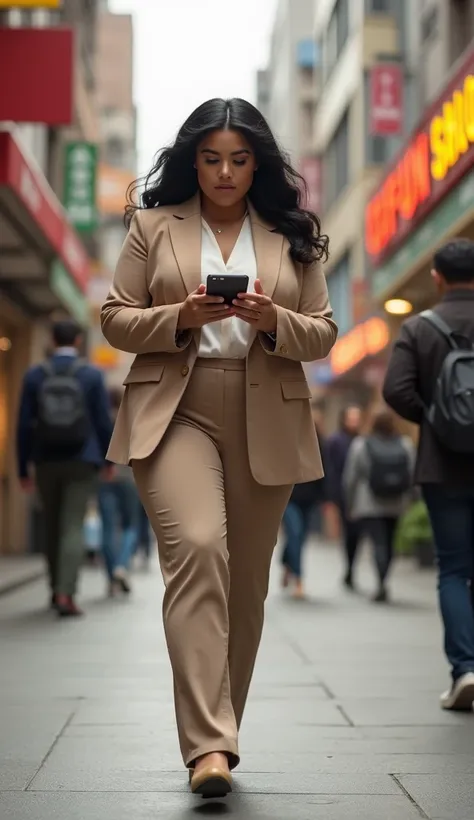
(216, 418)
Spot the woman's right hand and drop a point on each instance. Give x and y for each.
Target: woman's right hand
(200, 309)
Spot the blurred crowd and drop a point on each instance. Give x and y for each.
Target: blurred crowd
(369, 481)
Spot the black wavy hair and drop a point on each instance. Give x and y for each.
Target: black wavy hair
(277, 190)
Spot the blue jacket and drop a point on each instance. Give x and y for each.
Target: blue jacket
(97, 399)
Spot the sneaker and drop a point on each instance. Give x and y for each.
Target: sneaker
(461, 696)
(121, 578)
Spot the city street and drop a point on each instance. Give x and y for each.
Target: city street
(343, 722)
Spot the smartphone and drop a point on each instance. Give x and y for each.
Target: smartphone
(228, 286)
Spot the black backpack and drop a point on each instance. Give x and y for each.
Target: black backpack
(389, 470)
(63, 424)
(451, 413)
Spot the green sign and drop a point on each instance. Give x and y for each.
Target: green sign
(427, 236)
(80, 184)
(69, 294)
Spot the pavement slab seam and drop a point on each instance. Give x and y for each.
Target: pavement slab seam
(409, 797)
(349, 721)
(50, 751)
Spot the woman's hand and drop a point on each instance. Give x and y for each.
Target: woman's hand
(200, 309)
(256, 309)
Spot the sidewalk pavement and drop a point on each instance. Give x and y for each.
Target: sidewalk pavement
(343, 721)
(17, 571)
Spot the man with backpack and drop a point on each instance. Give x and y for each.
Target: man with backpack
(430, 381)
(64, 429)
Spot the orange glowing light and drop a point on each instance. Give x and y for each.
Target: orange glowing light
(366, 339)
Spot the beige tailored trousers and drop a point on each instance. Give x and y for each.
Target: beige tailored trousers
(216, 530)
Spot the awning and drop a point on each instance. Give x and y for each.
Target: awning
(38, 246)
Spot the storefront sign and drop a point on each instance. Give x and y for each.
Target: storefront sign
(105, 357)
(80, 185)
(30, 4)
(366, 339)
(437, 157)
(112, 185)
(29, 187)
(39, 64)
(64, 288)
(440, 224)
(386, 99)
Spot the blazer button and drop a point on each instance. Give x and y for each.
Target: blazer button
(283, 349)
(185, 370)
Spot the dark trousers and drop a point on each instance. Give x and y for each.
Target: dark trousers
(64, 488)
(381, 531)
(452, 520)
(296, 523)
(351, 536)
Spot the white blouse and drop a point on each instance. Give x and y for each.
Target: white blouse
(231, 338)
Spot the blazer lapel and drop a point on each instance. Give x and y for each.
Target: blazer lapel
(268, 249)
(186, 235)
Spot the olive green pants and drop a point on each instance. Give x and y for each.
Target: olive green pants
(64, 488)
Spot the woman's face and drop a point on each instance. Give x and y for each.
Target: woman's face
(225, 164)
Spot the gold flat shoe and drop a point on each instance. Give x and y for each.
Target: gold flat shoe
(211, 782)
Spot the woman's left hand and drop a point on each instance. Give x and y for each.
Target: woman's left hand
(256, 309)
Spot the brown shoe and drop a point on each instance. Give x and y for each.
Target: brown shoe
(67, 608)
(211, 782)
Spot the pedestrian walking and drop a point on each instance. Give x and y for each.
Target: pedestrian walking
(377, 483)
(430, 382)
(64, 430)
(119, 507)
(220, 292)
(337, 447)
(304, 501)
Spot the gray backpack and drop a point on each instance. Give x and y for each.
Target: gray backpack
(389, 467)
(451, 413)
(63, 424)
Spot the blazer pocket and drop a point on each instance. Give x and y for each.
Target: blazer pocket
(295, 390)
(143, 373)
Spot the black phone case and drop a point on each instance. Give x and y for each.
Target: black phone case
(227, 286)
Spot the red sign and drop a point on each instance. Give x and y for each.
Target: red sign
(386, 99)
(438, 155)
(32, 189)
(39, 65)
(310, 170)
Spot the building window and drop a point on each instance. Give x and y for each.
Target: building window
(461, 27)
(429, 24)
(340, 293)
(336, 163)
(114, 151)
(307, 120)
(379, 150)
(337, 34)
(379, 6)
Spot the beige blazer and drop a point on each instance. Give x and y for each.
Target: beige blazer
(160, 264)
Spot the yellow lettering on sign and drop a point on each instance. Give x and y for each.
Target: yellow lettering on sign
(452, 132)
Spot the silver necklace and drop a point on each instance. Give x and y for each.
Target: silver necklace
(221, 230)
